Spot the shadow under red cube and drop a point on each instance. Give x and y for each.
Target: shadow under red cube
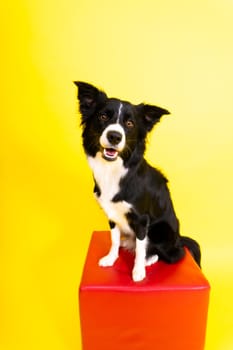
(167, 310)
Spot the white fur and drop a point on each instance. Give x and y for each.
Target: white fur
(111, 257)
(152, 260)
(139, 271)
(108, 174)
(119, 112)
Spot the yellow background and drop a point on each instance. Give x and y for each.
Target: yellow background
(177, 54)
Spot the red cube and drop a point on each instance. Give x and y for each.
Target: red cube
(167, 310)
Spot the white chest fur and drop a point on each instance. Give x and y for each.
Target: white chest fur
(108, 174)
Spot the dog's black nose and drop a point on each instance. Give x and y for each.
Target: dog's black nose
(114, 137)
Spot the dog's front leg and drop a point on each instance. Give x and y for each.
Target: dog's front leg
(112, 256)
(139, 270)
(139, 224)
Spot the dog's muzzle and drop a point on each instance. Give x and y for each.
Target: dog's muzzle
(112, 141)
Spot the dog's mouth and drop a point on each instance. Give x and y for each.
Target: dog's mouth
(110, 153)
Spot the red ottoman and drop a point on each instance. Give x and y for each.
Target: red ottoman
(167, 310)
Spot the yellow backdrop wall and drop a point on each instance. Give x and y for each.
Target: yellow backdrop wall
(177, 54)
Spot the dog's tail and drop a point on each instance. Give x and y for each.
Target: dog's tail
(193, 247)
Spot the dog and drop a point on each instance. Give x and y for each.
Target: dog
(133, 194)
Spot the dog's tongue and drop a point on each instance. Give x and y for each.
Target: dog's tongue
(110, 153)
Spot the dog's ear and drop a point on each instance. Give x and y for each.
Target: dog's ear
(90, 98)
(151, 114)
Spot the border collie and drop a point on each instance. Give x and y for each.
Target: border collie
(133, 194)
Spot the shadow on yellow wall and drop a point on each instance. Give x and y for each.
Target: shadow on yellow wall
(172, 53)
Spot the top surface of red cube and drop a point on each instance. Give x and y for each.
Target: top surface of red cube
(184, 275)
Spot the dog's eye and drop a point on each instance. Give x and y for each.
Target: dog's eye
(129, 123)
(103, 117)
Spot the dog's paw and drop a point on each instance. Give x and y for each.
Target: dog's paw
(152, 260)
(138, 274)
(108, 260)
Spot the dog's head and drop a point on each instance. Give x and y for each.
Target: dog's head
(112, 126)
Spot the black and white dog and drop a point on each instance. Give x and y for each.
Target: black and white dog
(134, 195)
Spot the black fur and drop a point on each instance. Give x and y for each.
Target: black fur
(144, 187)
